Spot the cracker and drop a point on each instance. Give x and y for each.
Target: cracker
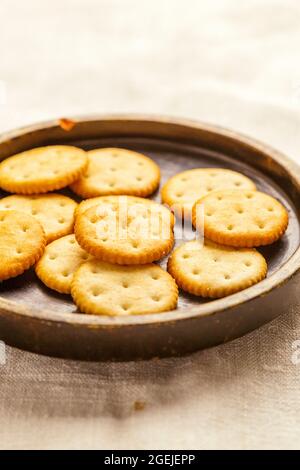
(55, 212)
(100, 288)
(42, 169)
(59, 262)
(126, 230)
(182, 190)
(211, 270)
(22, 242)
(117, 171)
(240, 218)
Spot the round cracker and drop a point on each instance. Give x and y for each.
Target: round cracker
(240, 218)
(22, 242)
(42, 169)
(140, 289)
(117, 171)
(55, 212)
(211, 270)
(59, 262)
(182, 190)
(126, 231)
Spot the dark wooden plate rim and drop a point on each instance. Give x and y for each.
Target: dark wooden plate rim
(280, 277)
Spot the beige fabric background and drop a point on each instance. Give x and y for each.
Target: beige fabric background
(227, 62)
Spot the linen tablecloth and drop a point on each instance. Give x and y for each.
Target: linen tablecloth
(230, 63)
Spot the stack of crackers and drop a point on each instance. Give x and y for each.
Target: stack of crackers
(103, 250)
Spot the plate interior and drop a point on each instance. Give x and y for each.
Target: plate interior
(172, 158)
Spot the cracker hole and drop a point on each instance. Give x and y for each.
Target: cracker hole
(66, 274)
(96, 292)
(94, 271)
(7, 206)
(209, 214)
(155, 233)
(140, 163)
(249, 196)
(155, 277)
(196, 272)
(61, 220)
(85, 257)
(230, 227)
(135, 244)
(113, 169)
(125, 284)
(227, 276)
(19, 251)
(125, 307)
(62, 204)
(34, 212)
(72, 241)
(219, 198)
(93, 220)
(248, 263)
(237, 183)
(209, 188)
(261, 226)
(185, 256)
(184, 179)
(138, 178)
(25, 228)
(240, 211)
(111, 185)
(156, 298)
(270, 209)
(52, 257)
(179, 194)
(215, 259)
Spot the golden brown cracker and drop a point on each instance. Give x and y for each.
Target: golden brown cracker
(55, 212)
(117, 171)
(211, 270)
(182, 190)
(22, 242)
(240, 218)
(59, 262)
(42, 169)
(126, 231)
(100, 288)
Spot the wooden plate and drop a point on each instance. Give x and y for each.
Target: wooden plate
(36, 319)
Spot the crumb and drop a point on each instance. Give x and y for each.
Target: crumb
(66, 124)
(139, 405)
